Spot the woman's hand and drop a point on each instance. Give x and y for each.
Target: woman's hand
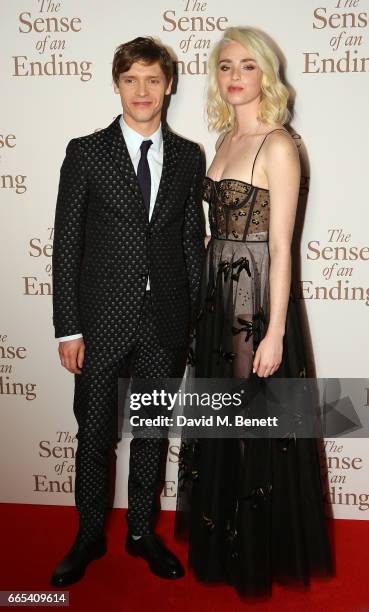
(207, 240)
(268, 355)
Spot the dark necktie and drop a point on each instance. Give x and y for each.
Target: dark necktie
(143, 173)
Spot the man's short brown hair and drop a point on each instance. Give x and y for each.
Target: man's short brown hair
(145, 50)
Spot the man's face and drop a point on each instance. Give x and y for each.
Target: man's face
(142, 89)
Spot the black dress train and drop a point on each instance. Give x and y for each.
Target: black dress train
(254, 507)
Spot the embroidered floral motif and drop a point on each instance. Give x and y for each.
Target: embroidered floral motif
(224, 268)
(259, 324)
(238, 266)
(209, 523)
(227, 356)
(246, 326)
(258, 496)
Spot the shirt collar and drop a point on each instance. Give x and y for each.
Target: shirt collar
(134, 139)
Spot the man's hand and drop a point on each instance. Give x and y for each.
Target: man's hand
(71, 353)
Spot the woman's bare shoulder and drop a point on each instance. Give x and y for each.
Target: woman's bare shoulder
(279, 135)
(280, 142)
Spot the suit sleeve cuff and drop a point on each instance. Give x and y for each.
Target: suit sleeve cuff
(66, 338)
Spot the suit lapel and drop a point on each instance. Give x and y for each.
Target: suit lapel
(118, 150)
(168, 171)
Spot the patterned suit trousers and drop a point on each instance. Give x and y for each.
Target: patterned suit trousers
(95, 408)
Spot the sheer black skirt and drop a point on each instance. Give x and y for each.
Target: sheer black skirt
(253, 509)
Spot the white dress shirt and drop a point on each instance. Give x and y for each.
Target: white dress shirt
(155, 160)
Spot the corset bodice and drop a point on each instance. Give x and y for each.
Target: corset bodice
(238, 211)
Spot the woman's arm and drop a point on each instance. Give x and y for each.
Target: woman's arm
(282, 168)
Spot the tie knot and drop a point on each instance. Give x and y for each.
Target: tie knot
(145, 146)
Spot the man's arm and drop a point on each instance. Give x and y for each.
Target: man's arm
(67, 338)
(194, 234)
(68, 246)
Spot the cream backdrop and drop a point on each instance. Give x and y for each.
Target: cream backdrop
(45, 102)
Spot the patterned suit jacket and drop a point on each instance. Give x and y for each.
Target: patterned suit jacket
(105, 246)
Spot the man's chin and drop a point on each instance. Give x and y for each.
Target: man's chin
(143, 117)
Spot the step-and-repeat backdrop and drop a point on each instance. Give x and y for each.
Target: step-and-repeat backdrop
(55, 82)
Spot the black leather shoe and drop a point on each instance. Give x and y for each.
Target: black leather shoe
(73, 566)
(161, 561)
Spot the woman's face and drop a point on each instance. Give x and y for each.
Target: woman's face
(239, 76)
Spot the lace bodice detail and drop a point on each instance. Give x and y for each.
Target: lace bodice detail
(237, 210)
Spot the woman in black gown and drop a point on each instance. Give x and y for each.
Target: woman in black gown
(256, 510)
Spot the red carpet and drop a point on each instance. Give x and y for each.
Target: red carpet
(36, 537)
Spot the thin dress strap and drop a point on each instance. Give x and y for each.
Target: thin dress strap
(258, 151)
(221, 142)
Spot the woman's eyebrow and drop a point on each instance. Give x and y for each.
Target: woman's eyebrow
(246, 59)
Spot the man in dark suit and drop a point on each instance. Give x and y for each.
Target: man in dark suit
(128, 250)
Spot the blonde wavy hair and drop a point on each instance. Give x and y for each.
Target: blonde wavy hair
(274, 94)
